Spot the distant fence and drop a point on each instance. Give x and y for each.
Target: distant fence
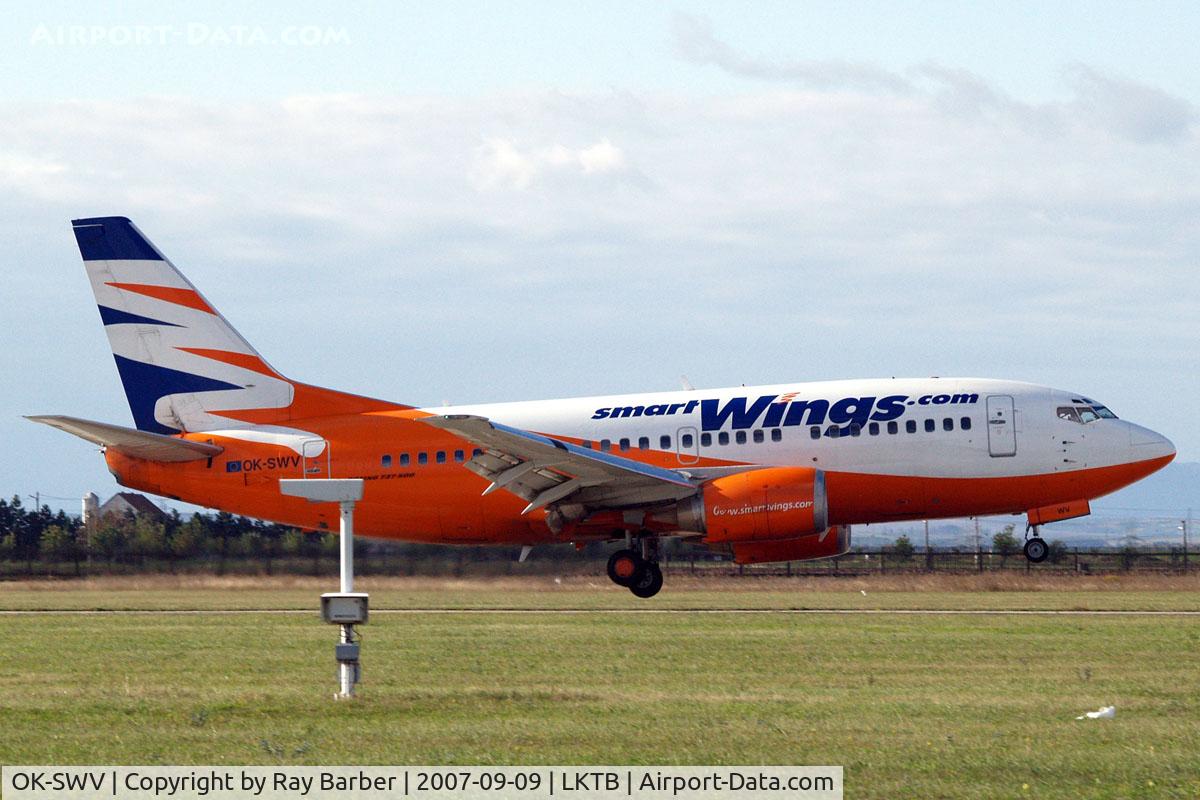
(876, 562)
(416, 560)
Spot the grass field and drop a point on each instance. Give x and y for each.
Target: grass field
(913, 705)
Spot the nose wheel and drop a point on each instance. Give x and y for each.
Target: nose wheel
(1035, 546)
(637, 572)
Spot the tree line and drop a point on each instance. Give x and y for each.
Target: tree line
(38, 535)
(38, 541)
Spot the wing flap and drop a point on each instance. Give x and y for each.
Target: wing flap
(544, 471)
(131, 442)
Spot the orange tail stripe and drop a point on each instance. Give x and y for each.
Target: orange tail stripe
(180, 297)
(243, 360)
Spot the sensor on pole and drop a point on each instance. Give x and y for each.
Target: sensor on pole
(347, 607)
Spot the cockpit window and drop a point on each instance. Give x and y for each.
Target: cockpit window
(1084, 414)
(1068, 413)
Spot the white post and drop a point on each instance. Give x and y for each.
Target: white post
(346, 532)
(346, 669)
(344, 492)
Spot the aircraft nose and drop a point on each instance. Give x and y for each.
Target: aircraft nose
(1148, 444)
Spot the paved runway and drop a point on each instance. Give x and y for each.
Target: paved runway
(631, 611)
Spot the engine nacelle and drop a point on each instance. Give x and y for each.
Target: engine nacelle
(761, 505)
(833, 542)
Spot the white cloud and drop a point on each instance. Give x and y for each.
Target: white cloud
(499, 163)
(603, 156)
(1124, 108)
(696, 42)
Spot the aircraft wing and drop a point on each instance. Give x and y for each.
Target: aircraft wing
(135, 443)
(543, 471)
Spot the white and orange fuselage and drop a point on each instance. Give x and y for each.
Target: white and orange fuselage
(918, 459)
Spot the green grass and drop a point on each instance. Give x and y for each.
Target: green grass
(980, 593)
(912, 706)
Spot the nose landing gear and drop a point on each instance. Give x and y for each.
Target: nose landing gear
(1035, 546)
(638, 572)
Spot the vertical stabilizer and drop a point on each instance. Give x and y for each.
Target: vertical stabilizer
(183, 366)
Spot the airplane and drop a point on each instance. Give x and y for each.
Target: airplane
(764, 473)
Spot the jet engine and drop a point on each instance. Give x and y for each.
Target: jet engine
(761, 505)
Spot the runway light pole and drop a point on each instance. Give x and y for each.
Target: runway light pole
(345, 608)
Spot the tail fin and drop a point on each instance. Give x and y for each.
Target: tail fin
(184, 367)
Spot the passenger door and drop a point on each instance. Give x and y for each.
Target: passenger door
(1002, 429)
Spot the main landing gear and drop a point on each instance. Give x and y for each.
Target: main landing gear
(1035, 546)
(638, 572)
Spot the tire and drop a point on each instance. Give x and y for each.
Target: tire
(1036, 550)
(648, 581)
(623, 567)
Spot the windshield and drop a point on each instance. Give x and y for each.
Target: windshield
(1084, 411)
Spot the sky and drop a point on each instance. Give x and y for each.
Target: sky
(467, 202)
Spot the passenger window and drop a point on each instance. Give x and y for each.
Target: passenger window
(587, 443)
(1068, 413)
(814, 432)
(664, 443)
(833, 431)
(965, 423)
(759, 436)
(441, 456)
(740, 437)
(644, 443)
(873, 429)
(624, 443)
(605, 445)
(686, 440)
(459, 455)
(422, 458)
(723, 438)
(948, 424)
(404, 459)
(911, 426)
(930, 426)
(706, 440)
(855, 429)
(387, 462)
(776, 435)
(893, 427)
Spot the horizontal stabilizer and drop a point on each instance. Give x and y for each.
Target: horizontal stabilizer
(131, 442)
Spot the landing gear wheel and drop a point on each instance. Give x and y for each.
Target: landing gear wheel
(623, 567)
(648, 580)
(1036, 550)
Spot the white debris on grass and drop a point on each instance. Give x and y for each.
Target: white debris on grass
(1107, 712)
